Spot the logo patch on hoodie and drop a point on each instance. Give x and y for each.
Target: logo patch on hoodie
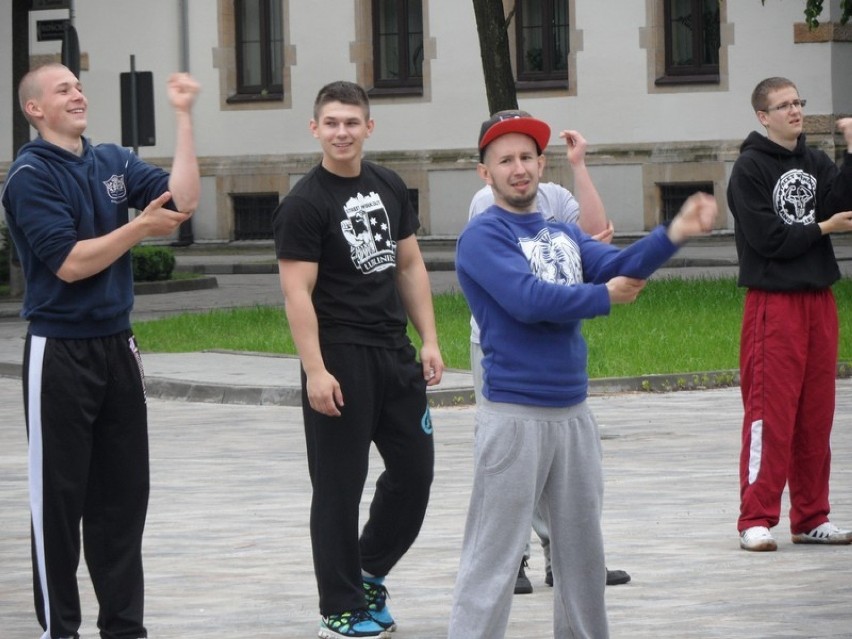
(795, 197)
(115, 189)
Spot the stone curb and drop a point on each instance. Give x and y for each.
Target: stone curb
(175, 286)
(175, 389)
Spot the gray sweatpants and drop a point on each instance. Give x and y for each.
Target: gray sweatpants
(538, 524)
(524, 455)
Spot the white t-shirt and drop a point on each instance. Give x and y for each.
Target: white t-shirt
(555, 203)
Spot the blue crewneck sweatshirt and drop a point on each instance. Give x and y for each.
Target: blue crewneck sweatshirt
(529, 283)
(54, 198)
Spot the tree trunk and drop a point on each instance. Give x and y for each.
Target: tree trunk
(20, 127)
(493, 32)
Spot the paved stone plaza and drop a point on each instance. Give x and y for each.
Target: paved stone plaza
(227, 550)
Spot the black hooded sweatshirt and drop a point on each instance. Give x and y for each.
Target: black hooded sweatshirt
(777, 198)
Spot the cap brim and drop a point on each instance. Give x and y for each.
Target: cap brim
(536, 129)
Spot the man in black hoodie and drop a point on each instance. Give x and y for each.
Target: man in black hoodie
(787, 199)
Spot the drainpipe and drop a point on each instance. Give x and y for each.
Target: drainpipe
(185, 234)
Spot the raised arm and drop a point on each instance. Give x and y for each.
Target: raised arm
(845, 127)
(593, 218)
(184, 180)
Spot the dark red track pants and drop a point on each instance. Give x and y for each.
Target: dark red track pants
(788, 364)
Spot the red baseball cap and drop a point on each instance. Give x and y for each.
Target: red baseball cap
(514, 121)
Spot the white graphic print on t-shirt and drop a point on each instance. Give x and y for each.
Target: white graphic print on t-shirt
(367, 230)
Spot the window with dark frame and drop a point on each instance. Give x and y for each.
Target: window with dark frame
(673, 195)
(692, 30)
(542, 41)
(397, 46)
(259, 50)
(253, 215)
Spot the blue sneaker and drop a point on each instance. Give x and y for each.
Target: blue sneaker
(377, 595)
(353, 623)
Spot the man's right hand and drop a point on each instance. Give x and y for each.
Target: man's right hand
(696, 217)
(324, 394)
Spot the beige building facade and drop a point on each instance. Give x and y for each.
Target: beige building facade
(616, 74)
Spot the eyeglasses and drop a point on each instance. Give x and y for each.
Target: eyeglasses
(787, 106)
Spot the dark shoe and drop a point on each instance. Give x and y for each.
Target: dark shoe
(522, 583)
(616, 577)
(613, 577)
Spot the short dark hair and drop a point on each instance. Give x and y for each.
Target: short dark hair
(759, 97)
(345, 93)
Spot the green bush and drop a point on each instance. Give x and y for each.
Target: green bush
(152, 263)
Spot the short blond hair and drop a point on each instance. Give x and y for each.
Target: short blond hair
(30, 88)
(760, 95)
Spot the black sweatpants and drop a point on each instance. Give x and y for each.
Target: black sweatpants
(385, 402)
(88, 460)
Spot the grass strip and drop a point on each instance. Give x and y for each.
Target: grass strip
(676, 326)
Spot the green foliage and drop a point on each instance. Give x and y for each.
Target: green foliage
(677, 327)
(813, 10)
(152, 263)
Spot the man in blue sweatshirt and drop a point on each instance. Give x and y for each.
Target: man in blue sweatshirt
(529, 283)
(67, 206)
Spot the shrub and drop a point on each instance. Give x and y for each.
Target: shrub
(152, 263)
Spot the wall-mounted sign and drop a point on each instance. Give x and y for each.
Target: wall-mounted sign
(50, 29)
(40, 5)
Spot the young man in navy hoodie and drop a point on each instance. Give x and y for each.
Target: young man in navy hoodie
(787, 199)
(67, 205)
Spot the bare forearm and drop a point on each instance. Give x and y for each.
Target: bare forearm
(416, 293)
(185, 178)
(305, 331)
(89, 257)
(592, 212)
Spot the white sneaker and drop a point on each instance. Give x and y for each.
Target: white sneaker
(757, 539)
(826, 533)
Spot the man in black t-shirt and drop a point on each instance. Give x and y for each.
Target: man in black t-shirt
(352, 275)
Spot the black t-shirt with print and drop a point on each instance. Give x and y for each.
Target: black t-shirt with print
(350, 227)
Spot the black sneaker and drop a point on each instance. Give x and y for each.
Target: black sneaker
(613, 577)
(522, 583)
(616, 577)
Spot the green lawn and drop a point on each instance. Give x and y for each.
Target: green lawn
(676, 326)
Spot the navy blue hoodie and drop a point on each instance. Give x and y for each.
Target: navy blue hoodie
(778, 197)
(53, 199)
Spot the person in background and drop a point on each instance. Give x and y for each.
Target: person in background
(529, 283)
(67, 205)
(787, 199)
(555, 202)
(352, 275)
